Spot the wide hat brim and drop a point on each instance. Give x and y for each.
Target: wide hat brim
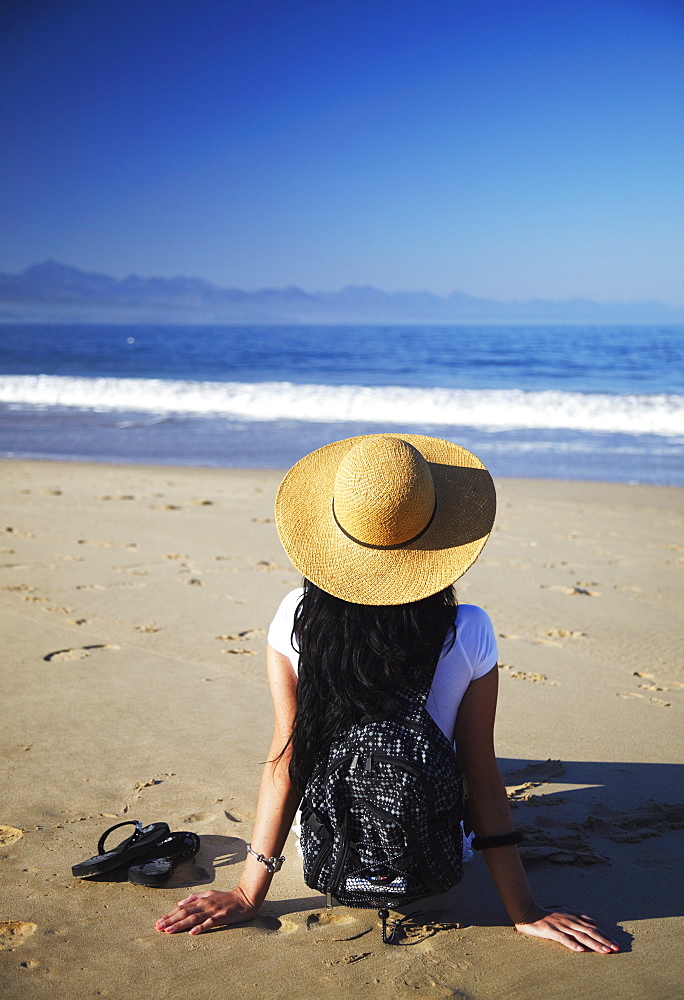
(323, 553)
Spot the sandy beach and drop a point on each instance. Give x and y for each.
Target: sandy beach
(135, 607)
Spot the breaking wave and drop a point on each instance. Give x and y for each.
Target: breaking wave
(504, 409)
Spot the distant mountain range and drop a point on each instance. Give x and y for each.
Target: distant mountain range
(55, 293)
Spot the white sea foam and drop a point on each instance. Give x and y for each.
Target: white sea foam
(490, 409)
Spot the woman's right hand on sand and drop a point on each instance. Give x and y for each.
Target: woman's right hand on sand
(574, 930)
(204, 910)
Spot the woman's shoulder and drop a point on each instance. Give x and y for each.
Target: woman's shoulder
(280, 629)
(475, 636)
(291, 599)
(287, 607)
(473, 615)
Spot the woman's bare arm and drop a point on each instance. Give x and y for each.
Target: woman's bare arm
(490, 815)
(276, 808)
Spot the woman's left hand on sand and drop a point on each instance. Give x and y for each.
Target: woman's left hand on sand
(574, 930)
(202, 911)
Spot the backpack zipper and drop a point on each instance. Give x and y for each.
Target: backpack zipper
(415, 727)
(339, 865)
(323, 856)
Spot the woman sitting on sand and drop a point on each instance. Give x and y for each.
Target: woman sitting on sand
(381, 527)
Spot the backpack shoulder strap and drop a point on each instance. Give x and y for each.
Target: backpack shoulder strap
(420, 692)
(417, 694)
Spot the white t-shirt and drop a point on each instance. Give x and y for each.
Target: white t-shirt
(472, 655)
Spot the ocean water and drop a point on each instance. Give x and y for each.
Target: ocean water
(557, 402)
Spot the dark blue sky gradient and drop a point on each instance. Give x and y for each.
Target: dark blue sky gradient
(507, 149)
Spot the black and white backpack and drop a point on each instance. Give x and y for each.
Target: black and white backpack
(381, 813)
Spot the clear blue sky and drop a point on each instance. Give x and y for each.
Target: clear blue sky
(509, 149)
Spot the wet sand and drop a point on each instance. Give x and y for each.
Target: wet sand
(135, 606)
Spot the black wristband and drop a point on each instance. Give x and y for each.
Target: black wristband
(500, 840)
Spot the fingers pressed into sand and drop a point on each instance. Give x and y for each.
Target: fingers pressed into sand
(206, 926)
(182, 917)
(183, 908)
(586, 931)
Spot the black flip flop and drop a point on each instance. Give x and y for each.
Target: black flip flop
(155, 867)
(140, 842)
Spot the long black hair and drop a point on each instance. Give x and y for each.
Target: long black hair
(352, 660)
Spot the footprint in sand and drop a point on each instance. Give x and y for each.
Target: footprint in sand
(159, 780)
(199, 817)
(134, 570)
(14, 933)
(325, 919)
(240, 652)
(522, 793)
(28, 566)
(579, 589)
(537, 774)
(330, 924)
(103, 543)
(552, 854)
(540, 849)
(650, 820)
(249, 633)
(649, 683)
(554, 634)
(9, 835)
(264, 923)
(542, 770)
(523, 675)
(63, 655)
(351, 959)
(335, 926)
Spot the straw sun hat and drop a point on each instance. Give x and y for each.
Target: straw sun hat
(385, 519)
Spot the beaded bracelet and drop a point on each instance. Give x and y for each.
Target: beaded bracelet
(498, 840)
(272, 864)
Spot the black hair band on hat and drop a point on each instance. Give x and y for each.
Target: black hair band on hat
(397, 545)
(498, 840)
